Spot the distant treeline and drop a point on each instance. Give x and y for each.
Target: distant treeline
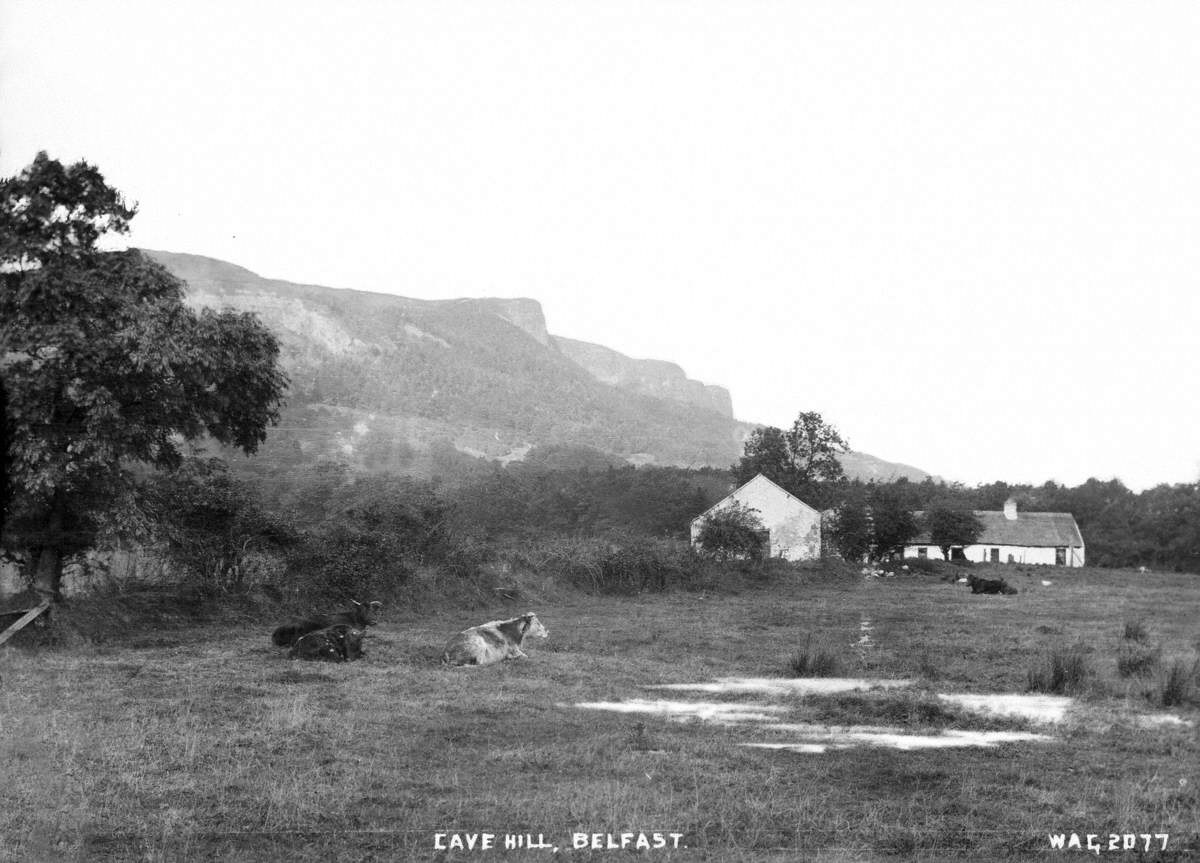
(1157, 528)
(326, 529)
(576, 490)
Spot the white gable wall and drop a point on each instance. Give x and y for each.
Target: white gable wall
(794, 526)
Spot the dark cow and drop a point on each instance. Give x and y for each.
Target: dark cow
(491, 642)
(989, 585)
(359, 616)
(339, 643)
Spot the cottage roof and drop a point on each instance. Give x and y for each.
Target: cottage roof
(758, 478)
(1029, 529)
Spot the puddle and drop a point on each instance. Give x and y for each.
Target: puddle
(817, 739)
(681, 710)
(785, 686)
(1036, 708)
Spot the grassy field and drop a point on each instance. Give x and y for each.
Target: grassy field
(204, 742)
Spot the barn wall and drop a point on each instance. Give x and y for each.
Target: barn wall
(794, 527)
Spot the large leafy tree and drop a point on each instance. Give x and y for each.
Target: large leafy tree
(951, 524)
(892, 522)
(103, 363)
(804, 454)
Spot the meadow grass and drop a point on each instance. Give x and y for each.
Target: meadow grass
(207, 743)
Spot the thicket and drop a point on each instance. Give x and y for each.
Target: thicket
(570, 515)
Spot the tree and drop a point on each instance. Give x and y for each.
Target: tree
(850, 531)
(951, 525)
(892, 522)
(732, 531)
(104, 364)
(804, 454)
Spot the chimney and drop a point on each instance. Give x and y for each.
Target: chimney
(1010, 509)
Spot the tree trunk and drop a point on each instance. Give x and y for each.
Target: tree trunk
(47, 575)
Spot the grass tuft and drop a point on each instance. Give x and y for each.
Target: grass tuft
(814, 662)
(1063, 670)
(1179, 683)
(1137, 660)
(1135, 630)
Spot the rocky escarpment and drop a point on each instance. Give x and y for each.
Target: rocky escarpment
(395, 384)
(650, 377)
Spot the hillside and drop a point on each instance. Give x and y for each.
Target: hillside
(394, 383)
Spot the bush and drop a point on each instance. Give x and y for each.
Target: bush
(344, 562)
(1062, 670)
(810, 662)
(921, 564)
(734, 531)
(616, 564)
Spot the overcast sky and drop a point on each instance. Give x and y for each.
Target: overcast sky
(964, 232)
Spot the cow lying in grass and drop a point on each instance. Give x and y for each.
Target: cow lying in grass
(358, 615)
(339, 643)
(492, 642)
(989, 585)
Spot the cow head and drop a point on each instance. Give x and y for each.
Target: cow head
(366, 615)
(530, 625)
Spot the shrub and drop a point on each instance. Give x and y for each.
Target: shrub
(1062, 670)
(344, 562)
(810, 662)
(734, 531)
(616, 564)
(921, 564)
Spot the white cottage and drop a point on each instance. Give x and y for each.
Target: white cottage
(792, 528)
(1051, 538)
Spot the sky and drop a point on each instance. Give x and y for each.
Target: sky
(963, 232)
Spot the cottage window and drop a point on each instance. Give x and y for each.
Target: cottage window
(995, 555)
(923, 553)
(1060, 557)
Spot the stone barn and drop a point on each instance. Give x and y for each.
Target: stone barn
(1050, 538)
(791, 528)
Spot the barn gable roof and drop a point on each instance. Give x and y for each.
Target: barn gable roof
(757, 478)
(1029, 529)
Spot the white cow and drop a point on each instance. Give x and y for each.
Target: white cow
(492, 642)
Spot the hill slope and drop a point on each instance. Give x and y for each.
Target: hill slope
(393, 383)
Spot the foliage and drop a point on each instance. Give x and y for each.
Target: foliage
(795, 459)
(344, 562)
(850, 531)
(527, 499)
(52, 211)
(103, 362)
(733, 531)
(208, 523)
(951, 525)
(892, 522)
(613, 565)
